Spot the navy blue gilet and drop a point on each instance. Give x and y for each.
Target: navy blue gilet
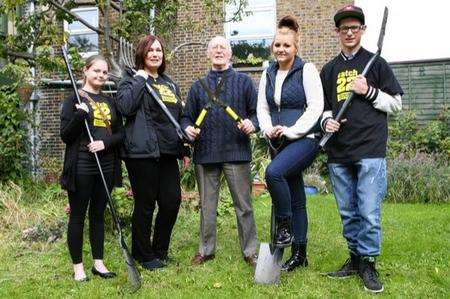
(293, 98)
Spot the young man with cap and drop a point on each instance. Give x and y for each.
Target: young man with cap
(357, 151)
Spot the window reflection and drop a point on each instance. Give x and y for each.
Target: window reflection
(251, 37)
(81, 37)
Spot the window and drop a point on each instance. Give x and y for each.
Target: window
(251, 37)
(82, 37)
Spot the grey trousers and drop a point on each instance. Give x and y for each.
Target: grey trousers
(237, 176)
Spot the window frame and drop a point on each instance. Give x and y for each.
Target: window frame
(86, 30)
(252, 8)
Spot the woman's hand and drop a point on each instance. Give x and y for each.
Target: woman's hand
(275, 132)
(96, 146)
(83, 107)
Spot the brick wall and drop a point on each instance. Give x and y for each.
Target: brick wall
(190, 62)
(318, 44)
(318, 40)
(51, 145)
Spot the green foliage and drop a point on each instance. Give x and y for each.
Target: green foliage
(261, 157)
(406, 137)
(422, 178)
(188, 180)
(12, 135)
(123, 199)
(433, 138)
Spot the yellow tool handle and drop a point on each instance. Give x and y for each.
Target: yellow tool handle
(201, 118)
(233, 114)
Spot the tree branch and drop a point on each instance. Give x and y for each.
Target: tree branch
(24, 55)
(80, 19)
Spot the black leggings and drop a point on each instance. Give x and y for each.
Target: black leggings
(89, 191)
(153, 181)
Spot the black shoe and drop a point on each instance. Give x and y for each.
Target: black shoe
(297, 259)
(349, 268)
(86, 279)
(283, 235)
(369, 275)
(105, 275)
(153, 264)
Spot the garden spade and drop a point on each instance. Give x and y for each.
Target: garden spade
(268, 266)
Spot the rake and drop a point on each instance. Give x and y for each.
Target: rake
(127, 57)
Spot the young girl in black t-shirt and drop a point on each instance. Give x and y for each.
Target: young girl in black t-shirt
(81, 177)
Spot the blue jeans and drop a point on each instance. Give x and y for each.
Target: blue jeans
(284, 180)
(359, 188)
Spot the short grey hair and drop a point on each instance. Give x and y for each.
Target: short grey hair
(219, 38)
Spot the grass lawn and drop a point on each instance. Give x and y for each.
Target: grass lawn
(414, 263)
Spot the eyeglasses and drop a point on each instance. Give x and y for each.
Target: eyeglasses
(354, 29)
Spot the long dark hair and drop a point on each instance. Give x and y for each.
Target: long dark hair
(143, 48)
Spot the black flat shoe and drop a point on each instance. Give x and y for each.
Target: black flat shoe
(103, 275)
(86, 279)
(153, 264)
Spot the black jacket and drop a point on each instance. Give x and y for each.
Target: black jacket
(71, 131)
(148, 131)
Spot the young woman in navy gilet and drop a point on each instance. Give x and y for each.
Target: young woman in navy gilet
(290, 102)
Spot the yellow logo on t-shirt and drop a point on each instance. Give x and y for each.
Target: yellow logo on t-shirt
(166, 93)
(343, 83)
(99, 116)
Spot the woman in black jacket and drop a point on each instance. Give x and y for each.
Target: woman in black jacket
(81, 177)
(150, 151)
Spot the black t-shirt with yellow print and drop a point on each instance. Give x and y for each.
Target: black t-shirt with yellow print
(101, 114)
(168, 140)
(364, 135)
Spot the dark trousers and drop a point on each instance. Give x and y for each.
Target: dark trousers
(90, 191)
(284, 177)
(153, 181)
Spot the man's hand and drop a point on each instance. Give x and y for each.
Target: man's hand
(332, 126)
(186, 162)
(274, 132)
(192, 132)
(96, 146)
(359, 85)
(246, 126)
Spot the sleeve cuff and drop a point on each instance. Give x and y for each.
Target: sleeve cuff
(371, 93)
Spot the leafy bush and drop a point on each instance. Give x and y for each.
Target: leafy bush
(260, 157)
(422, 178)
(407, 138)
(13, 135)
(123, 200)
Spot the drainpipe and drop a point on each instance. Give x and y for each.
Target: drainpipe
(33, 133)
(152, 18)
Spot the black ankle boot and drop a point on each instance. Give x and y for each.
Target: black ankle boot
(297, 259)
(283, 235)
